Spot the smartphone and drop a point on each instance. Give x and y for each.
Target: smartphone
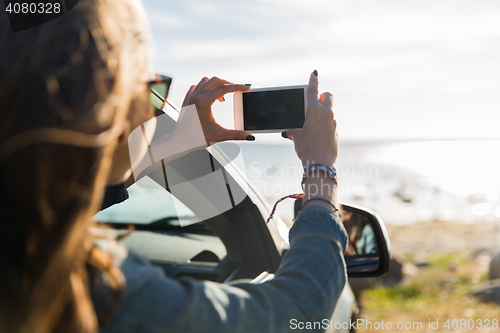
(270, 110)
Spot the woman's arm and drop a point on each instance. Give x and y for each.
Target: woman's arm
(306, 288)
(317, 143)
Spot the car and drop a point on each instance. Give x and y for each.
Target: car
(199, 216)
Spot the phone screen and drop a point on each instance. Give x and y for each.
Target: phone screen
(273, 109)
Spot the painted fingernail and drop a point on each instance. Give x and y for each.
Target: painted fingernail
(283, 134)
(315, 72)
(250, 138)
(222, 99)
(248, 84)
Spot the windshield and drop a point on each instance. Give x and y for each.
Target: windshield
(147, 205)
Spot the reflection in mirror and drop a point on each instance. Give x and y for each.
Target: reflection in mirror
(368, 251)
(362, 240)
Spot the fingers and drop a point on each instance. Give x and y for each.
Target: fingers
(216, 93)
(207, 91)
(188, 94)
(206, 85)
(326, 99)
(200, 85)
(290, 134)
(238, 135)
(192, 92)
(312, 90)
(213, 83)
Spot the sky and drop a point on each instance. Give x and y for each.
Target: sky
(398, 69)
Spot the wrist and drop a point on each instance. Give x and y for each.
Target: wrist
(323, 191)
(320, 187)
(319, 203)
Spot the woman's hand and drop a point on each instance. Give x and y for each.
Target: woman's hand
(203, 96)
(317, 141)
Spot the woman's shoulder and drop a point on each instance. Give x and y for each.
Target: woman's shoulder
(106, 240)
(135, 269)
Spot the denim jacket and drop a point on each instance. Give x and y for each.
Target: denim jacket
(306, 287)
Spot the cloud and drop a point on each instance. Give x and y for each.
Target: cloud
(384, 60)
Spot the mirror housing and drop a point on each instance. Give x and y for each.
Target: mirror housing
(359, 261)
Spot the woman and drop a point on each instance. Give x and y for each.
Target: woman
(71, 91)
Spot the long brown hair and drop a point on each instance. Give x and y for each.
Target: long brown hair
(64, 93)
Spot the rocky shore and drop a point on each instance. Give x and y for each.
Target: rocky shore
(421, 240)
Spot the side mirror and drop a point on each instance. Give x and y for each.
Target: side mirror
(368, 248)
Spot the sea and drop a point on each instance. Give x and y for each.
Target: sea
(402, 181)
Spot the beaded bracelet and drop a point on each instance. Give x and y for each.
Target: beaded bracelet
(330, 172)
